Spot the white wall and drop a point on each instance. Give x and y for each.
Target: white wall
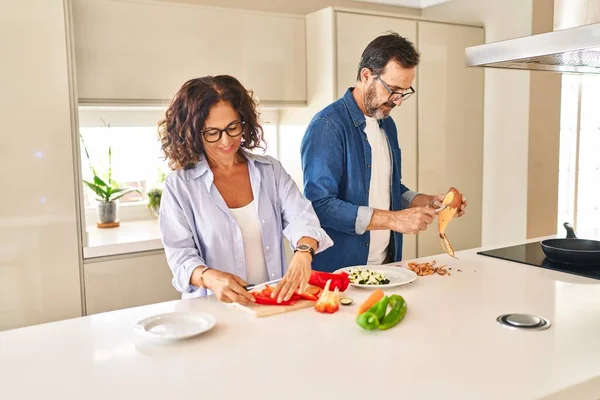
(522, 124)
(506, 117)
(39, 256)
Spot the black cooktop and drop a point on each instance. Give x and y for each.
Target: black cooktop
(532, 254)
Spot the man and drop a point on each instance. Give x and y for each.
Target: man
(351, 162)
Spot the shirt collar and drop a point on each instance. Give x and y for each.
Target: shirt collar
(202, 167)
(355, 113)
(358, 118)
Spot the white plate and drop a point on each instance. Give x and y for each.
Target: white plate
(396, 274)
(175, 325)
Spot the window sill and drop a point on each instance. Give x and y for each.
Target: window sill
(129, 237)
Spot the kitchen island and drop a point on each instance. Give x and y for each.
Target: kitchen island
(449, 346)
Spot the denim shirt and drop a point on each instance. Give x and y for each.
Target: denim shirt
(336, 160)
(198, 229)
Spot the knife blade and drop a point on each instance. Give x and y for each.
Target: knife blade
(248, 287)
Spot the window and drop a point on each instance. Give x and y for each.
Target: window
(579, 165)
(136, 158)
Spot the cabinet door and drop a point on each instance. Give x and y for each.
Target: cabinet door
(130, 281)
(354, 32)
(146, 51)
(39, 261)
(450, 98)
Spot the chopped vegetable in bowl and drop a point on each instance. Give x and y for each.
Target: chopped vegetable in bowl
(361, 276)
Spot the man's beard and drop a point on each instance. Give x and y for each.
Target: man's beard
(373, 109)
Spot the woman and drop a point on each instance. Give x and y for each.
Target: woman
(224, 210)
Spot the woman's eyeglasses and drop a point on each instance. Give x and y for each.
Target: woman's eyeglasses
(213, 135)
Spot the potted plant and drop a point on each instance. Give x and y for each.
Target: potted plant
(107, 193)
(154, 200)
(155, 194)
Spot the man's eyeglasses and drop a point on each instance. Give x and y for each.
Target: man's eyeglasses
(213, 135)
(395, 96)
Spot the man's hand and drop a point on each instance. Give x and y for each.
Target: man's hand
(440, 198)
(411, 220)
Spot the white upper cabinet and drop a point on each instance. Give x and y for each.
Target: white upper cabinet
(144, 52)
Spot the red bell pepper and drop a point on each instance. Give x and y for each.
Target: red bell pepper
(267, 300)
(264, 297)
(308, 296)
(338, 280)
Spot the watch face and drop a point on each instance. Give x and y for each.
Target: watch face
(303, 247)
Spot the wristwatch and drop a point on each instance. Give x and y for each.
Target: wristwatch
(305, 249)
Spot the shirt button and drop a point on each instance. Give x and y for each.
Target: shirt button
(263, 221)
(267, 248)
(272, 274)
(367, 243)
(368, 165)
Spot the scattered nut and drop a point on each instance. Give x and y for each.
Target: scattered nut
(428, 268)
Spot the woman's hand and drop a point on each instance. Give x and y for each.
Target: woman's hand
(296, 278)
(226, 287)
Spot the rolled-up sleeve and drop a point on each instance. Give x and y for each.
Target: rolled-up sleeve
(180, 249)
(363, 219)
(407, 197)
(299, 217)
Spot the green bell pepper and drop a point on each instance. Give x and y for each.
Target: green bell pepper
(380, 308)
(368, 321)
(396, 314)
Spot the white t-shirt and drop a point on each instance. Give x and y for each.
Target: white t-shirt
(379, 191)
(249, 223)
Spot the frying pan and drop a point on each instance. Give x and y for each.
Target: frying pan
(571, 249)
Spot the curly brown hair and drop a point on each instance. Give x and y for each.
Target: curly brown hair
(180, 131)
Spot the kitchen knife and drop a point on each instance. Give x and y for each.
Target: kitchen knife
(248, 287)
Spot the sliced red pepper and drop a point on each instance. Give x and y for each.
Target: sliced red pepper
(314, 290)
(267, 300)
(308, 296)
(264, 296)
(338, 280)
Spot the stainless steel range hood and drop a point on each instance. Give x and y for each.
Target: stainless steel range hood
(573, 50)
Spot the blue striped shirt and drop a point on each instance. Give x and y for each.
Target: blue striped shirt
(198, 229)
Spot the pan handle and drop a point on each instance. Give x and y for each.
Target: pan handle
(570, 231)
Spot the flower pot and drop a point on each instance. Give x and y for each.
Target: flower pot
(107, 214)
(155, 210)
(154, 196)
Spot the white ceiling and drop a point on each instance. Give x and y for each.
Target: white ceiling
(407, 3)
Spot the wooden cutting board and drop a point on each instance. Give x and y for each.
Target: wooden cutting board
(261, 310)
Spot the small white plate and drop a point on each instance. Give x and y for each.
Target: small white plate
(175, 325)
(396, 274)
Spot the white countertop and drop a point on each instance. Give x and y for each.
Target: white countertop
(129, 237)
(449, 346)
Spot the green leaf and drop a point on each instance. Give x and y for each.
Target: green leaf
(109, 164)
(98, 190)
(119, 190)
(123, 193)
(87, 155)
(98, 181)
